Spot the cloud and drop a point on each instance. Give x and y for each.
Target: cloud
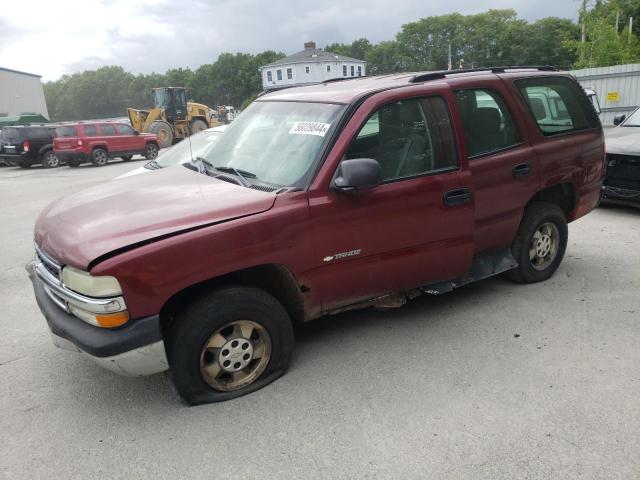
(154, 35)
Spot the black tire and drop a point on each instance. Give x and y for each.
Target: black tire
(126, 158)
(540, 215)
(50, 159)
(150, 151)
(23, 164)
(198, 322)
(73, 163)
(197, 126)
(163, 131)
(99, 157)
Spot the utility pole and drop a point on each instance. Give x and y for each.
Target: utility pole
(617, 21)
(583, 37)
(630, 28)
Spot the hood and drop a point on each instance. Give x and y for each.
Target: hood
(622, 140)
(83, 226)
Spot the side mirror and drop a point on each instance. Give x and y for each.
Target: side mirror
(357, 174)
(136, 132)
(618, 119)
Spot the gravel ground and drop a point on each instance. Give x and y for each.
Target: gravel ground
(492, 381)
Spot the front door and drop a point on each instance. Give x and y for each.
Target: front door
(416, 227)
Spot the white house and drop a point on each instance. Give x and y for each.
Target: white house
(311, 65)
(21, 92)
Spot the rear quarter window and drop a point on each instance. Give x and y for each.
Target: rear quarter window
(66, 131)
(558, 105)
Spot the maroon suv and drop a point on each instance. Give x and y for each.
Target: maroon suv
(318, 199)
(97, 142)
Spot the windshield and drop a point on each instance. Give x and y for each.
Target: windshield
(201, 143)
(633, 120)
(161, 97)
(278, 142)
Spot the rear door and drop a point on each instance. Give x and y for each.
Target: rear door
(503, 164)
(417, 226)
(66, 137)
(11, 139)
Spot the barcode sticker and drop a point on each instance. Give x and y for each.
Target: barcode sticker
(310, 128)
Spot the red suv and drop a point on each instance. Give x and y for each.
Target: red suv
(318, 199)
(97, 142)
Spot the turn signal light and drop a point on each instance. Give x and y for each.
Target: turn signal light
(112, 319)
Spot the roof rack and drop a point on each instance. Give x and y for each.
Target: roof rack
(423, 77)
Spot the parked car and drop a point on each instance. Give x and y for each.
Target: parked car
(97, 142)
(28, 145)
(622, 179)
(316, 200)
(195, 146)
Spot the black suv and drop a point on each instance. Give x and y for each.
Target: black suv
(28, 145)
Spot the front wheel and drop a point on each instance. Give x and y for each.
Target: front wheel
(151, 151)
(229, 343)
(540, 243)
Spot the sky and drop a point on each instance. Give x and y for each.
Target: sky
(144, 36)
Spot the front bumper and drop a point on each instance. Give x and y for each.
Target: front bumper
(621, 194)
(135, 349)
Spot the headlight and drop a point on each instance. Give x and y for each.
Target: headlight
(113, 313)
(87, 284)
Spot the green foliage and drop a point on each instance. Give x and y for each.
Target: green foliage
(604, 43)
(492, 38)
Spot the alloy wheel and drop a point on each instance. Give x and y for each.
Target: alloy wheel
(544, 246)
(235, 355)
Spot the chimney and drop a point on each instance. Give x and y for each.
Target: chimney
(310, 45)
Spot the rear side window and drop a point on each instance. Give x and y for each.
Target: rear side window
(408, 138)
(90, 131)
(108, 130)
(66, 131)
(558, 105)
(487, 122)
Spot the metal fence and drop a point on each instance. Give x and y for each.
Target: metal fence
(618, 88)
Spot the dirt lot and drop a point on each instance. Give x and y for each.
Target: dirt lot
(492, 381)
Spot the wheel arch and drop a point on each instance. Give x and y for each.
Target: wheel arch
(275, 279)
(561, 194)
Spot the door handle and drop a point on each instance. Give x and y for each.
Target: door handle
(520, 170)
(459, 196)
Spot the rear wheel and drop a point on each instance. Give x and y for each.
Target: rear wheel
(197, 126)
(164, 133)
(99, 157)
(126, 158)
(150, 151)
(50, 160)
(540, 243)
(229, 343)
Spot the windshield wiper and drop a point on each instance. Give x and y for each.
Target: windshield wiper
(241, 174)
(205, 166)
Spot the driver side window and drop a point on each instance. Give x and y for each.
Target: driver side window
(408, 138)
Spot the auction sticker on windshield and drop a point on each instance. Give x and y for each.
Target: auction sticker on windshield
(310, 128)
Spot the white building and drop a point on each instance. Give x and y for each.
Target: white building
(617, 87)
(20, 93)
(311, 65)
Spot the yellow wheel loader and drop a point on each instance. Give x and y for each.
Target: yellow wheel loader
(173, 117)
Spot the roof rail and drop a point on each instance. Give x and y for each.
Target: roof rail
(423, 77)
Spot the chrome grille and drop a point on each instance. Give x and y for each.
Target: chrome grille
(52, 266)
